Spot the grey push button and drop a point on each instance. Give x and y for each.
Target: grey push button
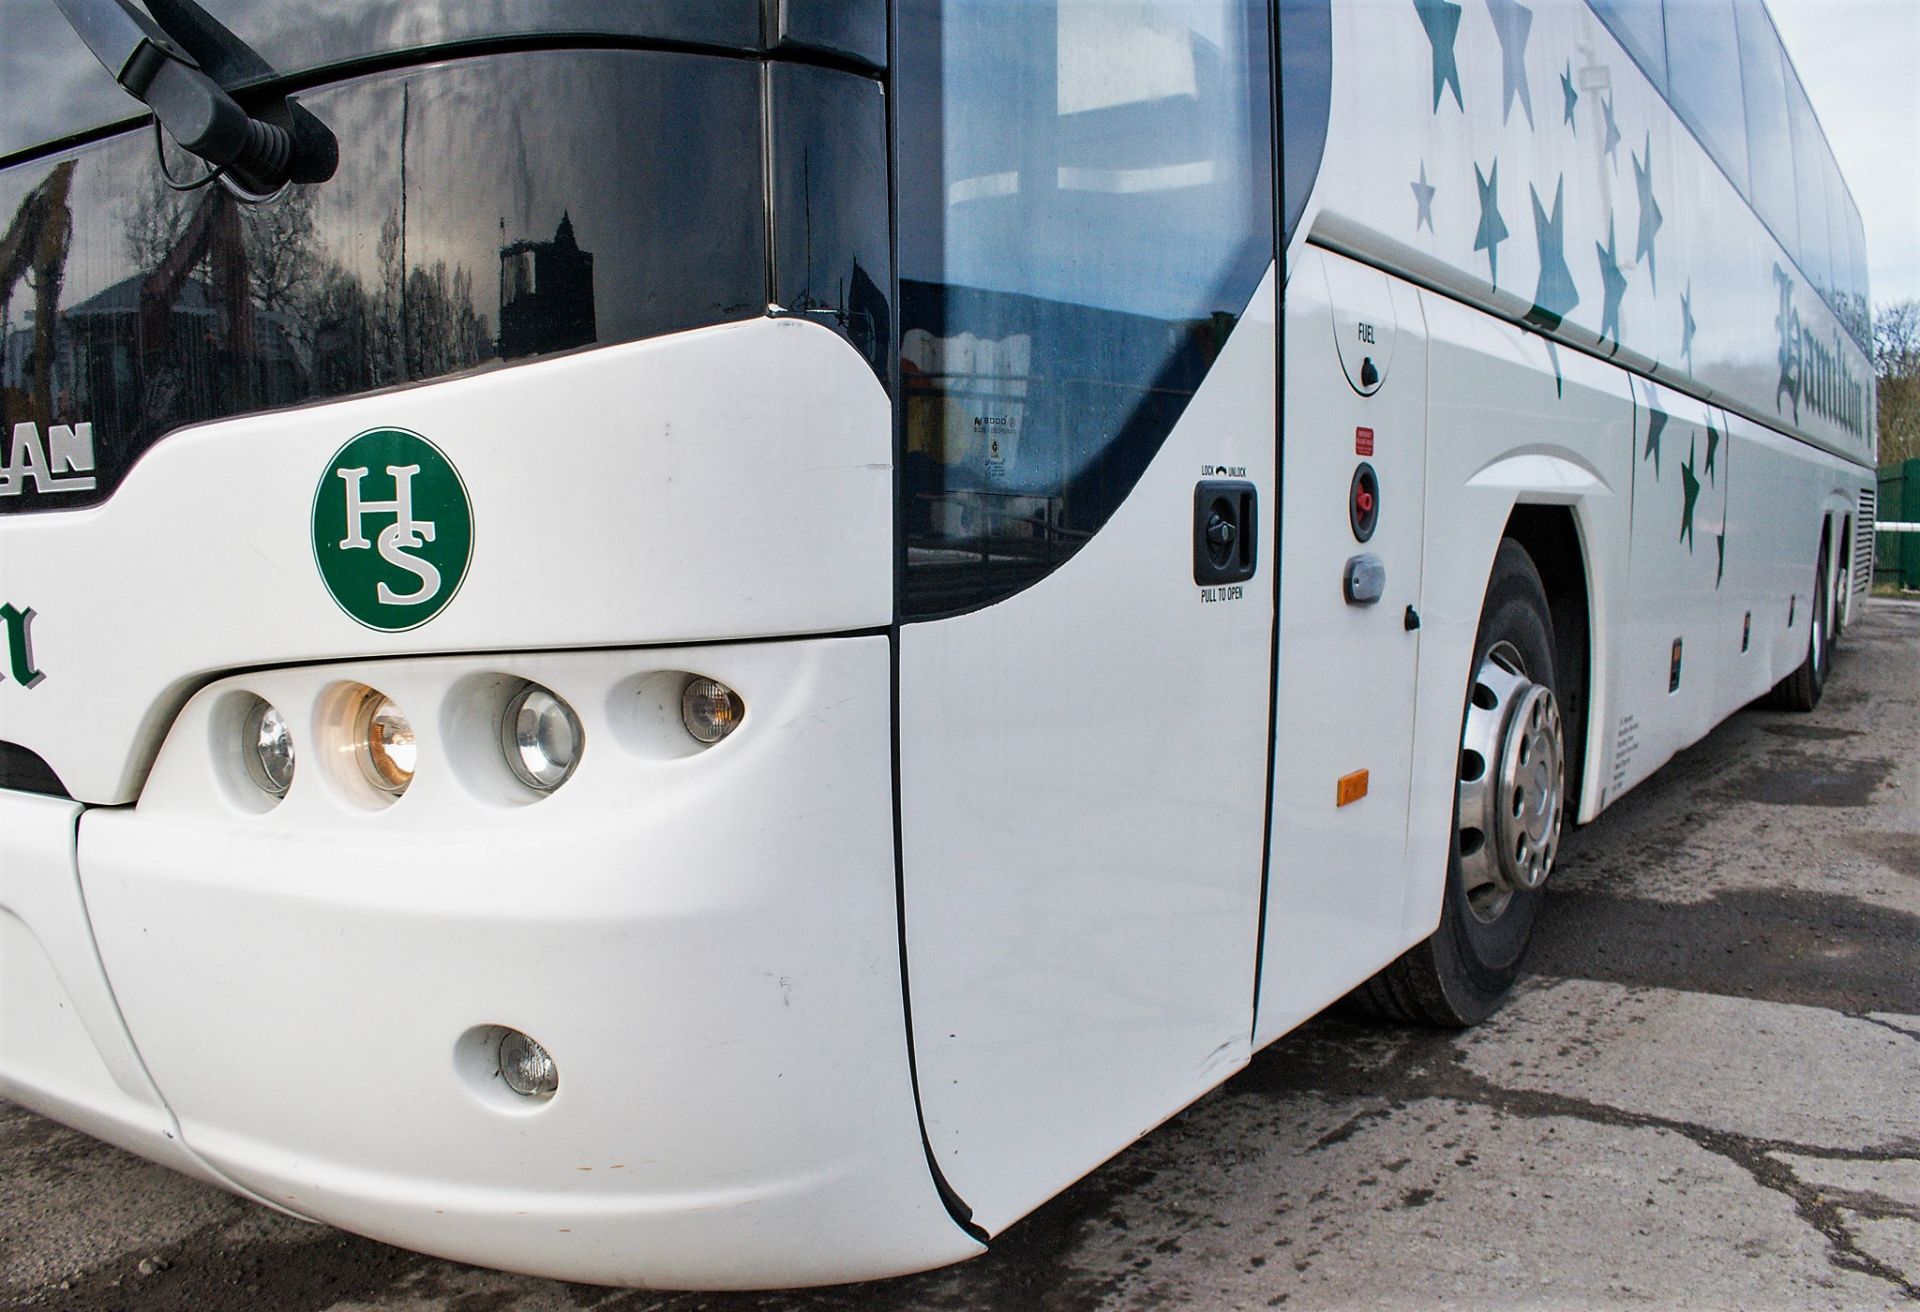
(1365, 581)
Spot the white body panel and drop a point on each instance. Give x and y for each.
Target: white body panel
(1506, 431)
(64, 1050)
(1345, 687)
(704, 940)
(1081, 820)
(754, 457)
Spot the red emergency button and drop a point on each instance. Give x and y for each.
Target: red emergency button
(1363, 502)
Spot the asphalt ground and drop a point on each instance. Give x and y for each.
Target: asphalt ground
(1706, 1095)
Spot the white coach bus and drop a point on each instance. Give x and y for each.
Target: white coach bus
(721, 644)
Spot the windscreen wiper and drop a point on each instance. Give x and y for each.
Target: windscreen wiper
(178, 71)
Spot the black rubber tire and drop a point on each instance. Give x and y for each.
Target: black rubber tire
(1462, 973)
(1800, 691)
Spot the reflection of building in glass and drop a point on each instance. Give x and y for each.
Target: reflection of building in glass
(137, 359)
(546, 294)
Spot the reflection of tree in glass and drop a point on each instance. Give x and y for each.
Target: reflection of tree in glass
(309, 326)
(33, 249)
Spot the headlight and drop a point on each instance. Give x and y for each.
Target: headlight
(710, 709)
(541, 738)
(526, 1067)
(267, 744)
(383, 743)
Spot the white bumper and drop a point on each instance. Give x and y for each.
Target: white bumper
(705, 941)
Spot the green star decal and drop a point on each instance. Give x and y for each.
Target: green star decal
(1649, 211)
(1613, 130)
(1556, 294)
(1441, 18)
(1572, 98)
(1614, 286)
(1656, 425)
(1493, 229)
(1687, 325)
(1690, 488)
(1512, 22)
(1423, 198)
(1713, 445)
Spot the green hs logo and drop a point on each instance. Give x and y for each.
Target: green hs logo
(392, 529)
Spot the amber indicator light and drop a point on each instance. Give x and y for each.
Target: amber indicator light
(1350, 788)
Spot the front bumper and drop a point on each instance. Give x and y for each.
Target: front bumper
(705, 940)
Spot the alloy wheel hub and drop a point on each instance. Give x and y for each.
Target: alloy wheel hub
(1512, 776)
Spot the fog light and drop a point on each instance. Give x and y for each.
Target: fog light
(541, 737)
(268, 744)
(710, 710)
(383, 741)
(526, 1067)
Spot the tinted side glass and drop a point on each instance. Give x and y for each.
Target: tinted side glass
(830, 252)
(1769, 130)
(1810, 188)
(1703, 64)
(1862, 292)
(1085, 210)
(1839, 242)
(480, 214)
(1306, 90)
(1637, 25)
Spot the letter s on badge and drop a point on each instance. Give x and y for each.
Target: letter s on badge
(392, 529)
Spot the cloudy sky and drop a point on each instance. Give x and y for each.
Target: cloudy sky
(1860, 62)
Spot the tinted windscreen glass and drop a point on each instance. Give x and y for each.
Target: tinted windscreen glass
(1085, 210)
(493, 209)
(55, 88)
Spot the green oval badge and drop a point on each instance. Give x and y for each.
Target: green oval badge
(392, 529)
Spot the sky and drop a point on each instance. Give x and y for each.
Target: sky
(1860, 63)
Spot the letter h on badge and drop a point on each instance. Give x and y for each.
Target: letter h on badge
(394, 542)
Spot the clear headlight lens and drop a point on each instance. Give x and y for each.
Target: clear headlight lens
(383, 742)
(526, 1067)
(541, 737)
(267, 742)
(711, 710)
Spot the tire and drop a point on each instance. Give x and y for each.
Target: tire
(1462, 973)
(1800, 691)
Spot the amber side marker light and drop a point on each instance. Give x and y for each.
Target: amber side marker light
(1350, 788)
(711, 710)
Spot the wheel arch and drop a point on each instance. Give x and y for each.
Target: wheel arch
(1551, 536)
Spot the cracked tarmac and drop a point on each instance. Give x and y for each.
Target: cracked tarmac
(1706, 1095)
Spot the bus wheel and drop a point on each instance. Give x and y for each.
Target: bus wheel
(1800, 691)
(1509, 805)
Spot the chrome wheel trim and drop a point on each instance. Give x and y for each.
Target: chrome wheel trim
(1512, 774)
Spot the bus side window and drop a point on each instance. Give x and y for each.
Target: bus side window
(1085, 210)
(1703, 60)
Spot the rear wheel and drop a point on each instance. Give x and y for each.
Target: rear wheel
(1800, 691)
(1509, 808)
